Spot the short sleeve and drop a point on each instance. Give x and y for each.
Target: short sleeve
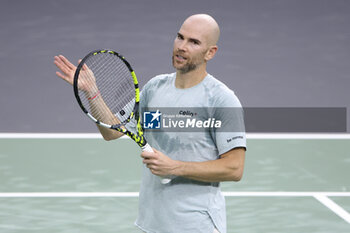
(228, 110)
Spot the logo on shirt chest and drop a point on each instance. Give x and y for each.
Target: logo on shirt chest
(187, 113)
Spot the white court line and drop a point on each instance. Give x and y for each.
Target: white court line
(285, 194)
(50, 135)
(320, 196)
(334, 207)
(98, 136)
(298, 136)
(70, 194)
(136, 194)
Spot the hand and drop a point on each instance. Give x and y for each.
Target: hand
(160, 164)
(87, 80)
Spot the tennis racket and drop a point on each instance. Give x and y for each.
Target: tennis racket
(107, 91)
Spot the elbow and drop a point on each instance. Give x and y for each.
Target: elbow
(236, 175)
(237, 178)
(107, 138)
(109, 134)
(234, 163)
(110, 137)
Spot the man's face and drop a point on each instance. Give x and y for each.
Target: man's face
(190, 48)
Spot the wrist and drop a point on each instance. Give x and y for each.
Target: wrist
(93, 95)
(178, 168)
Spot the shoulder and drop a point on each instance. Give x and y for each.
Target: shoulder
(155, 84)
(158, 81)
(220, 94)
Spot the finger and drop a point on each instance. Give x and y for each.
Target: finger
(150, 162)
(85, 67)
(67, 62)
(60, 75)
(64, 77)
(58, 59)
(154, 150)
(62, 66)
(155, 172)
(147, 155)
(152, 167)
(156, 153)
(147, 161)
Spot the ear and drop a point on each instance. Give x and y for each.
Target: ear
(211, 52)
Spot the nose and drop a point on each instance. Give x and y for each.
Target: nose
(181, 46)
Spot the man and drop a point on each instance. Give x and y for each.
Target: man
(197, 162)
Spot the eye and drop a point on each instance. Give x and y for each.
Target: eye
(179, 36)
(196, 42)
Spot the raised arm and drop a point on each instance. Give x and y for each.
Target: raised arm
(67, 71)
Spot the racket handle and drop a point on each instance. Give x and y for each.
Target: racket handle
(148, 148)
(165, 180)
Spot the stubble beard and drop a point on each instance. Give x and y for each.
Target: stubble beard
(191, 64)
(188, 67)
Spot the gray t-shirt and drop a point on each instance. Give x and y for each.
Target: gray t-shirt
(186, 205)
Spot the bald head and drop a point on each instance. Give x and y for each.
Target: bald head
(195, 44)
(206, 25)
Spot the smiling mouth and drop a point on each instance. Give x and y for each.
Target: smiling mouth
(180, 58)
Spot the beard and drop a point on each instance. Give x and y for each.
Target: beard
(190, 64)
(185, 68)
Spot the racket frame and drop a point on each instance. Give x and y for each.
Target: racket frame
(138, 138)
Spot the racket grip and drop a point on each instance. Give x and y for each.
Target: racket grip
(148, 148)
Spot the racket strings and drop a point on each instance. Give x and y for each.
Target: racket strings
(114, 84)
(117, 75)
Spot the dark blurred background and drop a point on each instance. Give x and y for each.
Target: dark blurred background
(272, 53)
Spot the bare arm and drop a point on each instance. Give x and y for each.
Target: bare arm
(67, 70)
(229, 167)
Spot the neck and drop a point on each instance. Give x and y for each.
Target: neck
(190, 79)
